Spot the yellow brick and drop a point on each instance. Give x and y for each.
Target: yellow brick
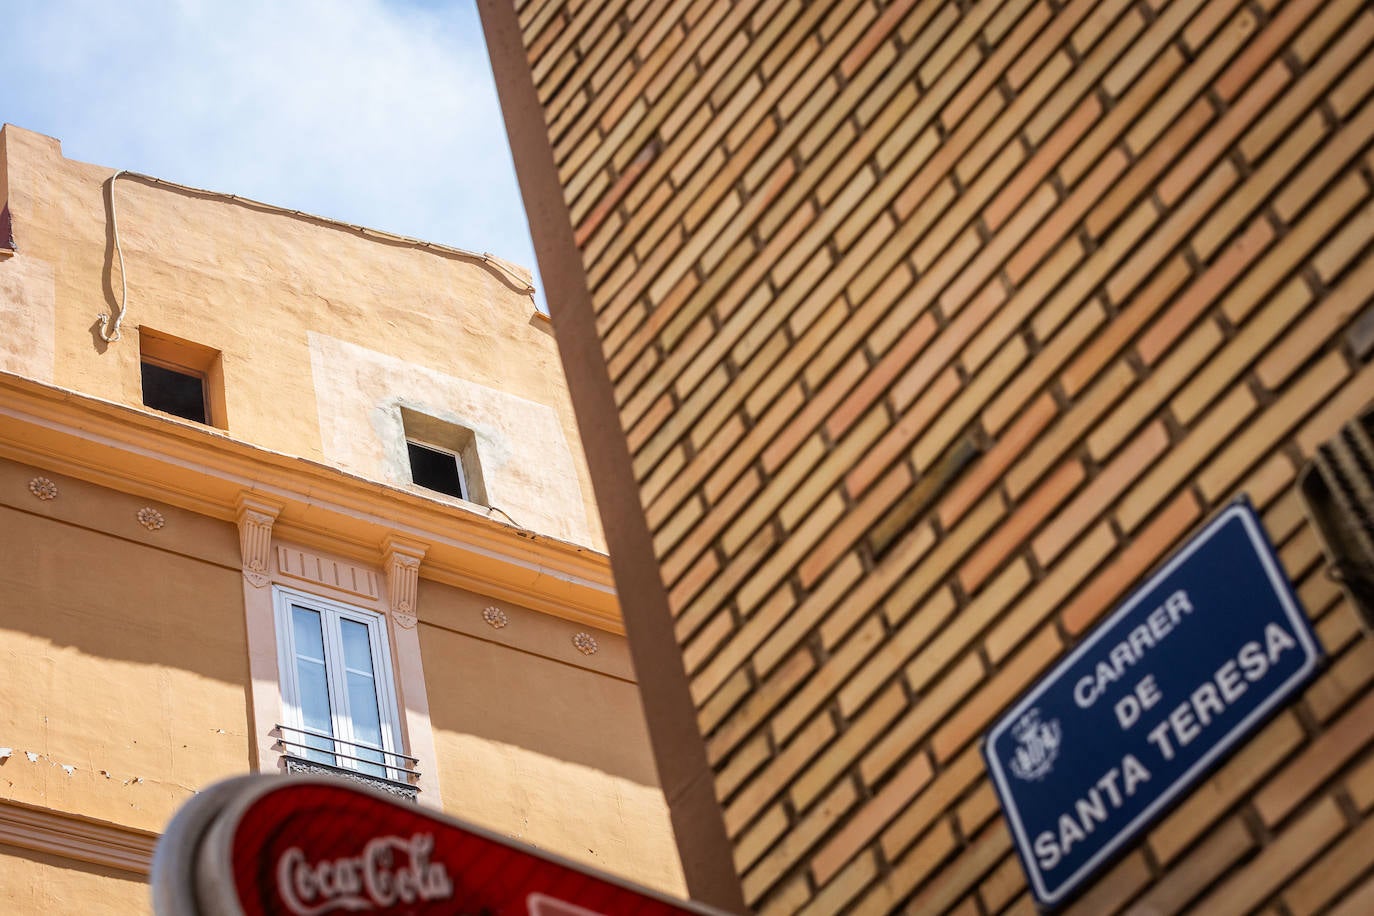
(1184, 880)
(1000, 886)
(756, 840)
(1181, 362)
(1326, 754)
(922, 716)
(961, 875)
(1353, 89)
(1256, 335)
(1336, 412)
(777, 775)
(754, 754)
(1182, 460)
(1117, 885)
(1360, 784)
(1289, 852)
(1067, 342)
(976, 810)
(1297, 402)
(894, 651)
(1280, 117)
(1070, 572)
(1314, 38)
(1332, 873)
(831, 763)
(798, 841)
(971, 718)
(1319, 327)
(1236, 777)
(1337, 253)
(835, 673)
(935, 800)
(1342, 681)
(758, 703)
(908, 872)
(788, 900)
(836, 895)
(1050, 446)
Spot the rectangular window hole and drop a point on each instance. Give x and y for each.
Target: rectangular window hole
(443, 457)
(181, 378)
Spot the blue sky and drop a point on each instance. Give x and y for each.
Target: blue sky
(377, 112)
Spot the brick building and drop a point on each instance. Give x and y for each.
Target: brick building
(304, 496)
(906, 338)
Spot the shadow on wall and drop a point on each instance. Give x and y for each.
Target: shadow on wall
(114, 598)
(499, 693)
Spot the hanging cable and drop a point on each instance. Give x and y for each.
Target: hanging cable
(109, 331)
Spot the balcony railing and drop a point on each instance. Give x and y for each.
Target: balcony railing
(308, 751)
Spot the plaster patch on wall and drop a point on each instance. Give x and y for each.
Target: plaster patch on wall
(28, 295)
(527, 465)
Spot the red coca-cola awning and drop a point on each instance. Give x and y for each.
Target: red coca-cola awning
(308, 846)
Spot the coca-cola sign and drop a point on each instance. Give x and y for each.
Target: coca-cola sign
(309, 846)
(389, 871)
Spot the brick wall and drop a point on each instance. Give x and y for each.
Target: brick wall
(931, 328)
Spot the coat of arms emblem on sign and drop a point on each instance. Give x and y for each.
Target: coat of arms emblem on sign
(1038, 746)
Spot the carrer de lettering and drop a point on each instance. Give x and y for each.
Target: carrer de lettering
(1132, 648)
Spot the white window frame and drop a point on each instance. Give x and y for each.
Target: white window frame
(457, 463)
(388, 712)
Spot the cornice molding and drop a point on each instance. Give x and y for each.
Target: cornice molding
(205, 471)
(66, 835)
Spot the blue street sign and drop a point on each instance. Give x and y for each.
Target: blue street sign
(1186, 668)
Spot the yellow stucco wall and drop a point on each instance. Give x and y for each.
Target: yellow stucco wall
(123, 660)
(542, 744)
(35, 882)
(284, 298)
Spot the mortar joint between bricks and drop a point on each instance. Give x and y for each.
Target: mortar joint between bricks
(981, 227)
(1190, 257)
(1263, 396)
(1062, 402)
(1293, 62)
(1314, 281)
(1173, 428)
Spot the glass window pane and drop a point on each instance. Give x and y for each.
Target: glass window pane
(312, 683)
(367, 724)
(357, 647)
(308, 633)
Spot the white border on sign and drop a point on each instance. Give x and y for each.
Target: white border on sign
(1279, 584)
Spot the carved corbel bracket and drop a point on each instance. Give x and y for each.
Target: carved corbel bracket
(401, 560)
(255, 517)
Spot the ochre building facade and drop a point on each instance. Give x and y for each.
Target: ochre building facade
(914, 335)
(264, 586)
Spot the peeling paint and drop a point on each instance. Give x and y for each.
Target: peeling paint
(33, 758)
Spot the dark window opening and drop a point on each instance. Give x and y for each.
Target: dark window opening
(173, 392)
(436, 470)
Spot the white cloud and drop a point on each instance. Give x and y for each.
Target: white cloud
(378, 113)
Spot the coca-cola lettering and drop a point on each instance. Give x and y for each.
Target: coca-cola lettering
(364, 882)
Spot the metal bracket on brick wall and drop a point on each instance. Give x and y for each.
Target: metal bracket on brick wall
(1338, 488)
